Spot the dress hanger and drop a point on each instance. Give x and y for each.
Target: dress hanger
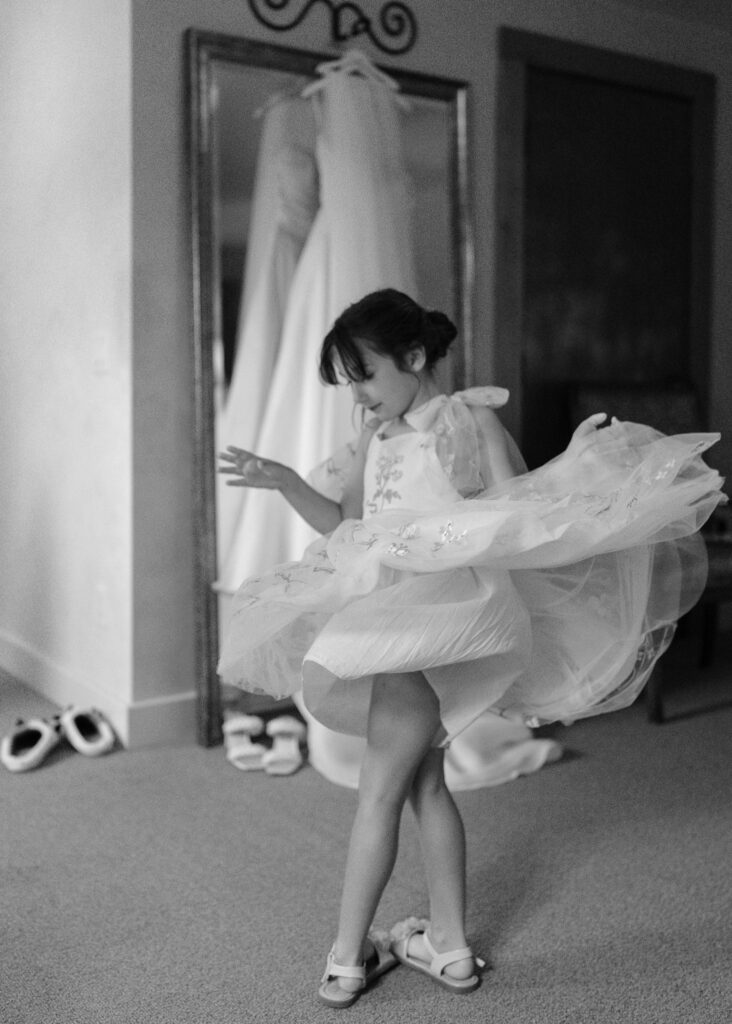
(353, 62)
(286, 92)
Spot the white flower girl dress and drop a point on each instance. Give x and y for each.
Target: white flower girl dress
(548, 597)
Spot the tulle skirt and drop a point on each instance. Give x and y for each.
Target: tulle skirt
(550, 597)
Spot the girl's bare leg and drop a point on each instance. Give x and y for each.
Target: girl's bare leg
(443, 848)
(403, 721)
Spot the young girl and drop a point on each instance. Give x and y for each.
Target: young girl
(445, 584)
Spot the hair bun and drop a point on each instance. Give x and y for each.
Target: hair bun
(390, 323)
(440, 332)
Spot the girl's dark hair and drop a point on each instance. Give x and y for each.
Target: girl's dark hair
(390, 323)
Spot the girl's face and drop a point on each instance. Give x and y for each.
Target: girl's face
(387, 391)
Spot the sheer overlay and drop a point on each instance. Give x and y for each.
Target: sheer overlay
(549, 597)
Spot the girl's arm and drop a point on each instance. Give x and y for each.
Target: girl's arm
(252, 471)
(501, 460)
(322, 513)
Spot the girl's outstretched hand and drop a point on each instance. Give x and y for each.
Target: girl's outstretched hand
(585, 435)
(248, 470)
(251, 471)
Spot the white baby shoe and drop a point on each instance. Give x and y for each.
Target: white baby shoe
(87, 730)
(284, 757)
(241, 750)
(29, 743)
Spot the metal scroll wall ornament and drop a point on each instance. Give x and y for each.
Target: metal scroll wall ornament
(398, 26)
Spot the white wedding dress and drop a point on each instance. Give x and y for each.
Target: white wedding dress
(284, 205)
(360, 241)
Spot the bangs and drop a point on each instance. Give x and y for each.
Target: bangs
(340, 353)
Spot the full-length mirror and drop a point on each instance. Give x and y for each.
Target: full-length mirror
(255, 166)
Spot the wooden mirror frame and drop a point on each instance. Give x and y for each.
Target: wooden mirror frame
(203, 51)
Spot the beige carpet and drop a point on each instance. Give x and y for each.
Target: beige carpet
(165, 887)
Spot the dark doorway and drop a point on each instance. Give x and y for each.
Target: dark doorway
(604, 195)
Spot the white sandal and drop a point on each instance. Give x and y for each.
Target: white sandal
(381, 960)
(435, 967)
(241, 752)
(285, 756)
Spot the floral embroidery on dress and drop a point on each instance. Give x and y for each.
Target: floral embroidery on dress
(355, 535)
(448, 536)
(386, 473)
(597, 504)
(408, 531)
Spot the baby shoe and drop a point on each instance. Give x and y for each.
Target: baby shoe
(241, 751)
(29, 743)
(285, 756)
(87, 730)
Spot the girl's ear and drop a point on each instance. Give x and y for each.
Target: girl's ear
(417, 359)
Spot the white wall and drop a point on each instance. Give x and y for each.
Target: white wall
(65, 330)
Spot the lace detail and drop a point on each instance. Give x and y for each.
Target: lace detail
(457, 446)
(456, 439)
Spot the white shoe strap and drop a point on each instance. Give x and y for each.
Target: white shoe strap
(442, 960)
(336, 970)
